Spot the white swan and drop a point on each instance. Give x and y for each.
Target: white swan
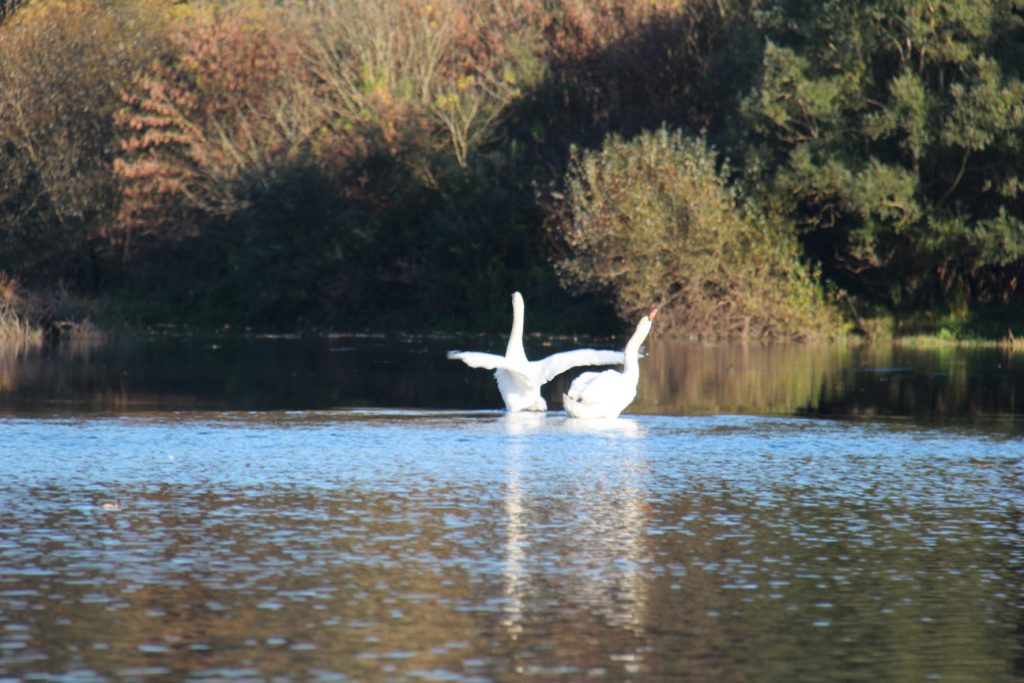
(520, 379)
(606, 394)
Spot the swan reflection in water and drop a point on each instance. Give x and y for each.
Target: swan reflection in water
(594, 551)
(615, 427)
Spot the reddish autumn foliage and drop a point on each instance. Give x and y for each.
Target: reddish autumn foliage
(216, 108)
(315, 157)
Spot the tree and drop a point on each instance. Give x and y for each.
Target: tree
(62, 66)
(893, 129)
(226, 105)
(653, 221)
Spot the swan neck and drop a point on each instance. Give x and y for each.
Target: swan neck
(631, 362)
(515, 337)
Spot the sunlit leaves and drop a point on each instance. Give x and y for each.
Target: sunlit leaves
(224, 105)
(653, 221)
(985, 108)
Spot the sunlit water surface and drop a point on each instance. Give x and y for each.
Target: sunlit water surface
(357, 511)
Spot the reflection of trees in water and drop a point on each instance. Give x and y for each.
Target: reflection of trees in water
(25, 364)
(808, 585)
(684, 378)
(244, 373)
(587, 558)
(945, 381)
(82, 371)
(855, 380)
(10, 361)
(250, 373)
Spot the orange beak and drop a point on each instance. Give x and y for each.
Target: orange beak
(654, 312)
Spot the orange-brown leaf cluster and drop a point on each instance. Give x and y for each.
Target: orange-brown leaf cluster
(206, 113)
(248, 87)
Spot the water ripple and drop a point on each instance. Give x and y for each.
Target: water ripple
(473, 546)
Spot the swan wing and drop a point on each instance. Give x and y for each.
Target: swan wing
(488, 361)
(555, 364)
(598, 387)
(580, 384)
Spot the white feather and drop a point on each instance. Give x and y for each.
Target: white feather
(520, 379)
(606, 394)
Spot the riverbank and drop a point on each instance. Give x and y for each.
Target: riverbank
(29, 320)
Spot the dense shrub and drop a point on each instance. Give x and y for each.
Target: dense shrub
(894, 130)
(225, 107)
(319, 162)
(276, 163)
(652, 221)
(446, 69)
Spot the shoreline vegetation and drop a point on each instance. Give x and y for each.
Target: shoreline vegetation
(26, 327)
(31, 321)
(18, 331)
(773, 171)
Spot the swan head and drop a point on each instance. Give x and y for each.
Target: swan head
(517, 302)
(642, 329)
(646, 321)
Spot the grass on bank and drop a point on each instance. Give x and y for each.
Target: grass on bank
(28, 320)
(992, 326)
(17, 331)
(31, 319)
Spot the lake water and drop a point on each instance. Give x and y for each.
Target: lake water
(360, 509)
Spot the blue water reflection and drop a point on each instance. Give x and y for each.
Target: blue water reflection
(449, 545)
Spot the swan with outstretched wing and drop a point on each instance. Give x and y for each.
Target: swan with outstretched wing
(520, 379)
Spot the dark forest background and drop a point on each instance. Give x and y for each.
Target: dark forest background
(776, 170)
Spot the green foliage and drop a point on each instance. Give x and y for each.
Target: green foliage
(894, 129)
(361, 163)
(653, 221)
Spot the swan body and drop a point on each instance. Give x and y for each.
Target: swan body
(606, 394)
(520, 379)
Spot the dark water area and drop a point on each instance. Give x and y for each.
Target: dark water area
(360, 509)
(253, 373)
